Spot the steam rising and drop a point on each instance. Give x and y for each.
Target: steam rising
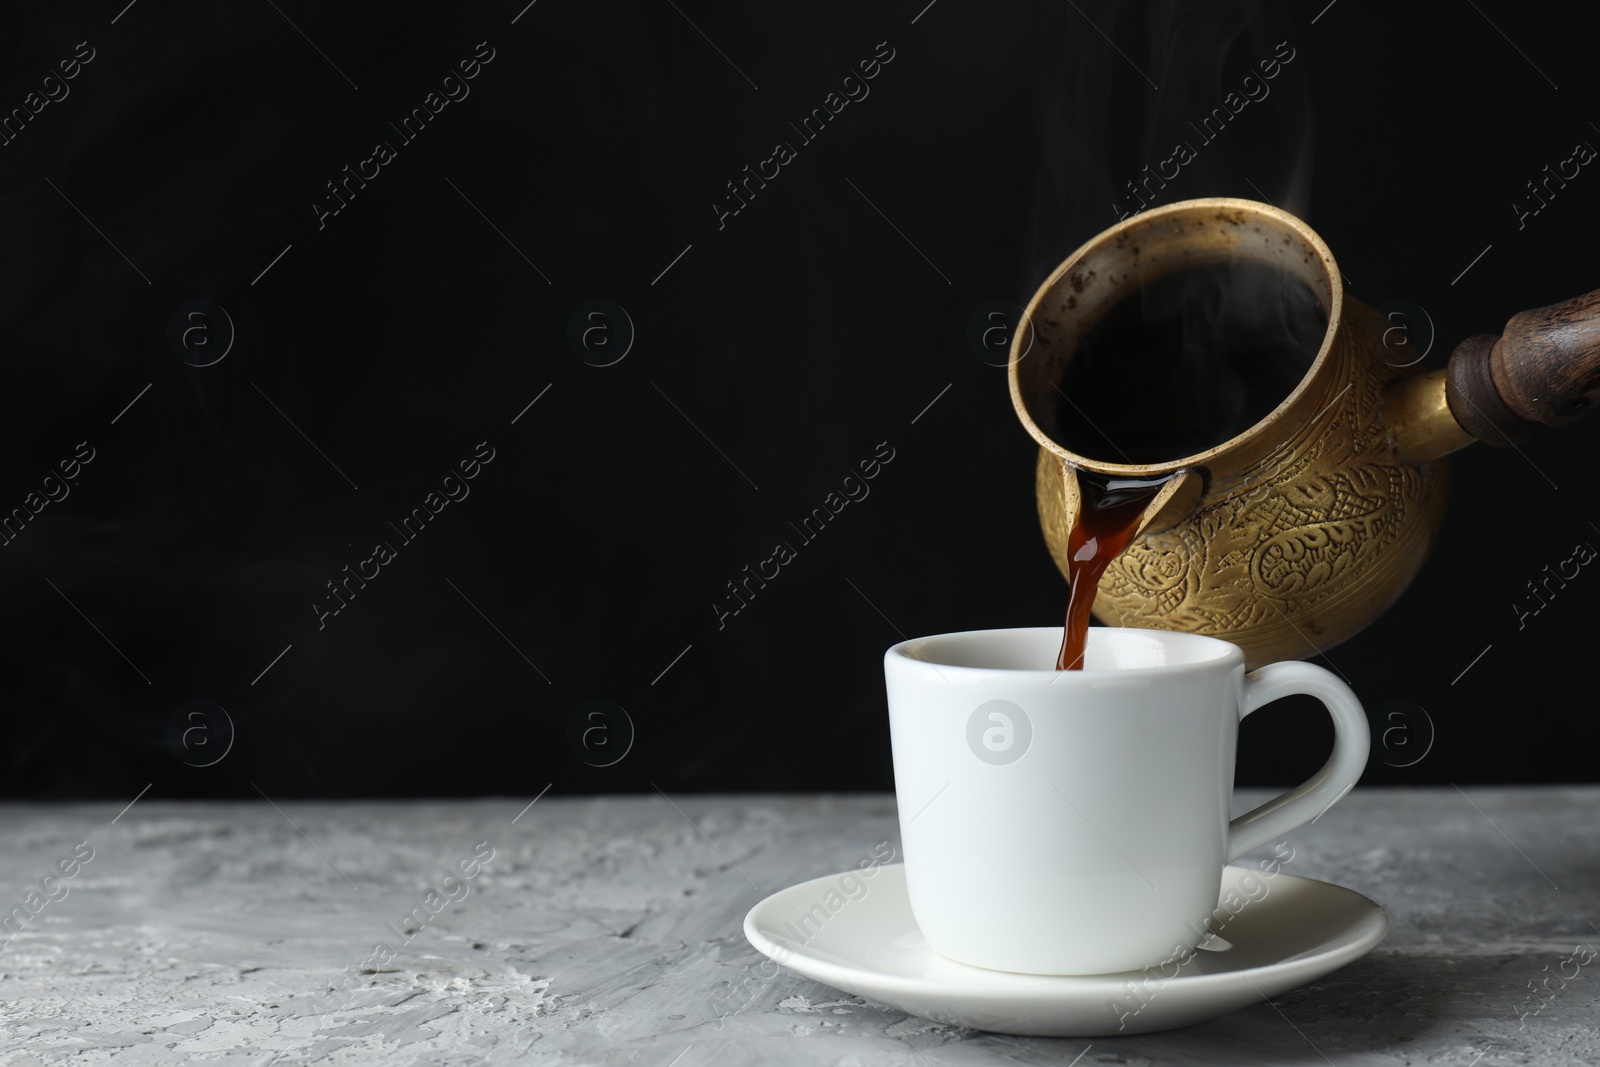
(1195, 358)
(1197, 55)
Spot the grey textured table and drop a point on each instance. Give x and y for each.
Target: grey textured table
(608, 931)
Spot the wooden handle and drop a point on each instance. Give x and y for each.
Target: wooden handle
(1544, 369)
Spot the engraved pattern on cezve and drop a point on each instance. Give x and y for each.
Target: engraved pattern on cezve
(1319, 510)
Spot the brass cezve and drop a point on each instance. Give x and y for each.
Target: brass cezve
(1299, 532)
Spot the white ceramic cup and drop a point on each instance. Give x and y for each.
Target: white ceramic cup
(1076, 822)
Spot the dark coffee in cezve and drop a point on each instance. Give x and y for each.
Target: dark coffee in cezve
(1187, 362)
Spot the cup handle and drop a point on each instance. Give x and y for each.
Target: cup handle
(1308, 800)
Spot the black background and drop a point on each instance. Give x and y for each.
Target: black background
(818, 322)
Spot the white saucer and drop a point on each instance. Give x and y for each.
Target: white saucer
(1300, 929)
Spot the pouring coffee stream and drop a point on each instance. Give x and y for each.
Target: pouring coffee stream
(1109, 512)
(1301, 528)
